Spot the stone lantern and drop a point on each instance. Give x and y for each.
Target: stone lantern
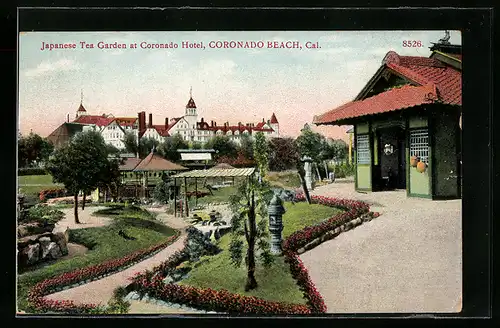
(275, 212)
(308, 172)
(20, 207)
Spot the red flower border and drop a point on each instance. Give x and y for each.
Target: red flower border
(151, 282)
(41, 304)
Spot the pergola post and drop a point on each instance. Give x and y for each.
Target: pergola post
(186, 196)
(196, 191)
(175, 197)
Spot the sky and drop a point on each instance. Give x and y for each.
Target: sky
(235, 85)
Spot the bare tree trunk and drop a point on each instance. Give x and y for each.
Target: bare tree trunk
(83, 203)
(317, 171)
(301, 173)
(326, 169)
(76, 208)
(251, 281)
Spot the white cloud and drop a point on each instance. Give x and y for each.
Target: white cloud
(49, 68)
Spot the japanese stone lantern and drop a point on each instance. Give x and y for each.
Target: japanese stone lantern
(275, 211)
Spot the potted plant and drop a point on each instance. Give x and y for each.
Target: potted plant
(414, 160)
(421, 167)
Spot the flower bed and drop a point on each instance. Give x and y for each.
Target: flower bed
(52, 193)
(152, 284)
(85, 275)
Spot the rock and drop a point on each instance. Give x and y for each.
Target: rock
(60, 239)
(32, 254)
(44, 244)
(52, 251)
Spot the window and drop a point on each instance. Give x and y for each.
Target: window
(363, 149)
(419, 144)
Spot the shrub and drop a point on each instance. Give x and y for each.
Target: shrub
(31, 171)
(341, 171)
(43, 214)
(198, 245)
(161, 192)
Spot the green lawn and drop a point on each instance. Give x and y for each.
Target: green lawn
(219, 196)
(275, 283)
(300, 215)
(217, 272)
(286, 179)
(31, 185)
(104, 244)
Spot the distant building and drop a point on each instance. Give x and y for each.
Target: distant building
(113, 129)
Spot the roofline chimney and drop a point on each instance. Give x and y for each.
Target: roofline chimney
(212, 123)
(150, 120)
(166, 123)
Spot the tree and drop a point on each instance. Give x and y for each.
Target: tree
(223, 146)
(195, 145)
(169, 147)
(33, 148)
(110, 177)
(246, 146)
(130, 141)
(283, 154)
(146, 145)
(80, 165)
(261, 153)
(249, 207)
(310, 144)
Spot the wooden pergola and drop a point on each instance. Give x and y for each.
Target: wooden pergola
(210, 173)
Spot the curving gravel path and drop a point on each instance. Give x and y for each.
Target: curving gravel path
(407, 260)
(101, 291)
(87, 220)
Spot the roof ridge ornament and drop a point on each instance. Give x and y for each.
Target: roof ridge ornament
(445, 39)
(391, 58)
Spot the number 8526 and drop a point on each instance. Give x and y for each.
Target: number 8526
(412, 44)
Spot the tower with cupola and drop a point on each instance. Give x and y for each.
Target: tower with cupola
(81, 110)
(191, 115)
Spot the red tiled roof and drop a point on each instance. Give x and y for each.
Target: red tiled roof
(162, 131)
(442, 81)
(260, 125)
(191, 103)
(394, 99)
(153, 162)
(94, 119)
(129, 164)
(423, 70)
(126, 121)
(274, 120)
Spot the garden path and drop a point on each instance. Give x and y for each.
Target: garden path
(85, 217)
(407, 260)
(101, 291)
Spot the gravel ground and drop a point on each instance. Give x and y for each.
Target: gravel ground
(87, 220)
(407, 260)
